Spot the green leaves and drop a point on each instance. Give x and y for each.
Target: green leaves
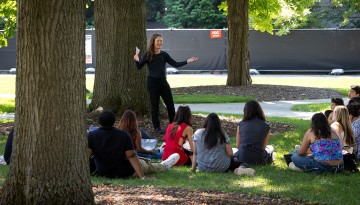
(7, 20)
(193, 14)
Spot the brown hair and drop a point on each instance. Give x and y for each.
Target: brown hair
(356, 88)
(183, 115)
(150, 49)
(128, 122)
(252, 110)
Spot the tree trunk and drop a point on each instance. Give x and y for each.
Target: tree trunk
(120, 27)
(238, 53)
(49, 162)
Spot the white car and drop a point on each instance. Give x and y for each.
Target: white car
(90, 70)
(172, 71)
(12, 70)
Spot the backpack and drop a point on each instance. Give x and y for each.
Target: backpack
(350, 164)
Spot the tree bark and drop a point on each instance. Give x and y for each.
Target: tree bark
(49, 162)
(120, 27)
(238, 53)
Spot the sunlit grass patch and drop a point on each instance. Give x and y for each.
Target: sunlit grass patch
(7, 105)
(312, 107)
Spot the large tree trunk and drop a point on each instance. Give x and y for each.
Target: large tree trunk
(49, 163)
(238, 53)
(120, 26)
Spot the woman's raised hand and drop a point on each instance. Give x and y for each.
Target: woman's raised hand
(192, 59)
(136, 57)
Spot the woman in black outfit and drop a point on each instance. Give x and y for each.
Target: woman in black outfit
(157, 84)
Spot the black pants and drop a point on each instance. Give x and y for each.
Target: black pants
(160, 87)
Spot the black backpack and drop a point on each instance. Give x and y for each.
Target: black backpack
(350, 164)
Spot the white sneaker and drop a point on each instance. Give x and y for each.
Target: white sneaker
(273, 155)
(244, 171)
(171, 160)
(293, 167)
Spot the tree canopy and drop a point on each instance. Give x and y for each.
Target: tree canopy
(7, 20)
(193, 14)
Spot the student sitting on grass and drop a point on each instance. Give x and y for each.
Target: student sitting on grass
(212, 150)
(176, 135)
(252, 136)
(114, 153)
(354, 91)
(325, 153)
(128, 122)
(342, 127)
(354, 115)
(334, 102)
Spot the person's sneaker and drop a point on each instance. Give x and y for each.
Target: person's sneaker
(159, 130)
(171, 160)
(273, 156)
(244, 171)
(293, 167)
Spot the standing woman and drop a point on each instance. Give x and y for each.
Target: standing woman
(176, 135)
(157, 84)
(342, 127)
(252, 136)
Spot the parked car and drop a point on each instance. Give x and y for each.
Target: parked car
(172, 71)
(12, 70)
(90, 70)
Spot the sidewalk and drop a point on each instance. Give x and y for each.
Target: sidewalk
(271, 109)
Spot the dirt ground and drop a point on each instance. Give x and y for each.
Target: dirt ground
(108, 194)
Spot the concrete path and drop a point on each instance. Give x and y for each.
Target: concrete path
(271, 109)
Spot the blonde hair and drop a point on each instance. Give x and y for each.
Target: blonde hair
(342, 117)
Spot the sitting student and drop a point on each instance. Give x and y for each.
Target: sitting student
(177, 133)
(128, 122)
(212, 149)
(327, 115)
(342, 127)
(114, 153)
(8, 146)
(354, 112)
(252, 136)
(334, 102)
(354, 91)
(324, 145)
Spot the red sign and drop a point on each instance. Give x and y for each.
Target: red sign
(215, 34)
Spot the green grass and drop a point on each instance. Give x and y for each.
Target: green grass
(312, 107)
(275, 180)
(7, 105)
(210, 98)
(343, 91)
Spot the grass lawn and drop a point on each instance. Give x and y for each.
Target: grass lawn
(273, 180)
(311, 107)
(7, 105)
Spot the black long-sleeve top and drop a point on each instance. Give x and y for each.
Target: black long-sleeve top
(157, 67)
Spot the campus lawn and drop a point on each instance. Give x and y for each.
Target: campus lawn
(273, 180)
(311, 107)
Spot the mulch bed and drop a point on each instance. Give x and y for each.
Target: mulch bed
(106, 195)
